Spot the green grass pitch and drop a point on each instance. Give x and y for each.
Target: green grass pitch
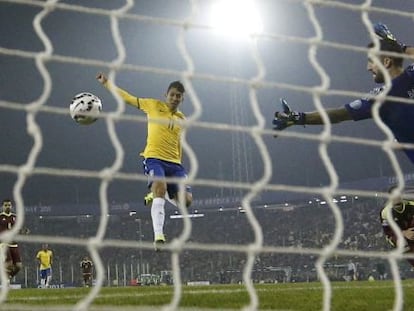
(347, 296)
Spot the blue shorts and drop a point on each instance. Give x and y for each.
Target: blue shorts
(45, 273)
(159, 168)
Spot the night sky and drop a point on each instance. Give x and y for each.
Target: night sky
(222, 154)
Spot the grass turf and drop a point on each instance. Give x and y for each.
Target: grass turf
(349, 296)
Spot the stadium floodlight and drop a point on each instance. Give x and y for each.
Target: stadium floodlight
(236, 17)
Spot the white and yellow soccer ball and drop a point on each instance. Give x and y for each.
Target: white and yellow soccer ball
(85, 108)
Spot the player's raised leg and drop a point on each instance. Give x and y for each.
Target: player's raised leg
(155, 170)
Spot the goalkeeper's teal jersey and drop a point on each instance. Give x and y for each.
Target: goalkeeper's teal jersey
(399, 117)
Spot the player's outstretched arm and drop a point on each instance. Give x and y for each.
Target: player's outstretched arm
(335, 115)
(128, 98)
(287, 117)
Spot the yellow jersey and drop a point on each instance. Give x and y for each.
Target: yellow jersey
(164, 131)
(164, 127)
(45, 258)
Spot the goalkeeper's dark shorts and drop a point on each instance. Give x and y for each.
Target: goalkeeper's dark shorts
(160, 168)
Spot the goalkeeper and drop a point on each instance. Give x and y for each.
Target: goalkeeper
(399, 117)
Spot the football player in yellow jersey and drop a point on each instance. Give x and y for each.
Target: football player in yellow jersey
(45, 258)
(163, 152)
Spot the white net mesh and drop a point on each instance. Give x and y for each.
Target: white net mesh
(311, 52)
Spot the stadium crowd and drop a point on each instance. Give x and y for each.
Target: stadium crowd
(306, 227)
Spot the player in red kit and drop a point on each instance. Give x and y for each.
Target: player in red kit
(13, 260)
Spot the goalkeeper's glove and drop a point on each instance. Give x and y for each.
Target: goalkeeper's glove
(383, 33)
(287, 117)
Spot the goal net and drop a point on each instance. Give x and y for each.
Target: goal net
(302, 207)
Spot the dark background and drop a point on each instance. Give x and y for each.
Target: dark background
(149, 34)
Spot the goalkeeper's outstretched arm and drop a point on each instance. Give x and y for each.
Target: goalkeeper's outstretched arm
(287, 117)
(335, 115)
(128, 98)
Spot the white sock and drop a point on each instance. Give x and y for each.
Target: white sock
(158, 215)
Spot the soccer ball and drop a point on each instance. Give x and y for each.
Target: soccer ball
(85, 108)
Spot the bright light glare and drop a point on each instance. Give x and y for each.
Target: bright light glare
(236, 17)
